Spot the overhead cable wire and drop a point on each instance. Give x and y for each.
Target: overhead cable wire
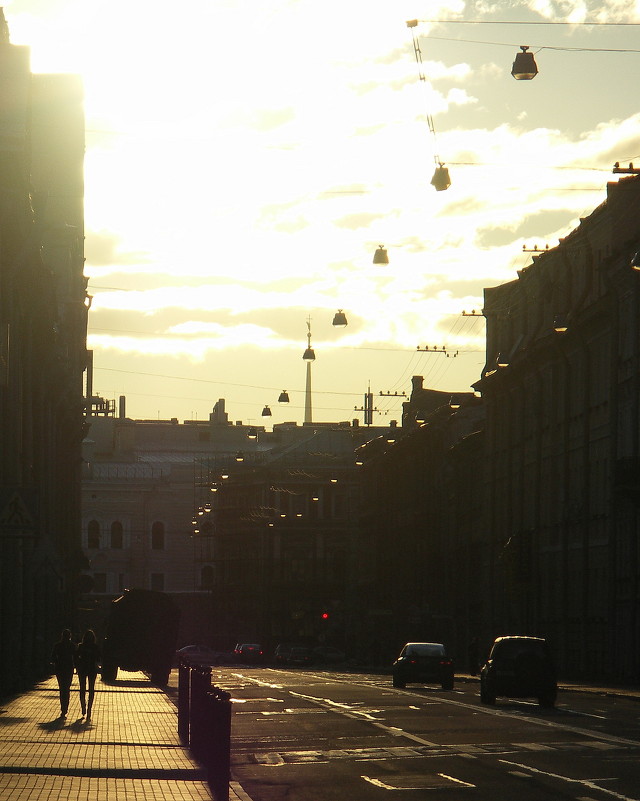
(525, 22)
(422, 76)
(538, 47)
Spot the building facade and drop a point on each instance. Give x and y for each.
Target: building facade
(43, 318)
(562, 392)
(182, 508)
(422, 505)
(520, 516)
(281, 540)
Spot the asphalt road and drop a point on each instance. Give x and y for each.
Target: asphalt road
(305, 735)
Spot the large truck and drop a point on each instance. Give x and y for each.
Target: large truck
(141, 634)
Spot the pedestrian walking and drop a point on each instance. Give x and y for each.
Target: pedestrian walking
(87, 662)
(62, 659)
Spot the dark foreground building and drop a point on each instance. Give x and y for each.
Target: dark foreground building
(562, 393)
(43, 314)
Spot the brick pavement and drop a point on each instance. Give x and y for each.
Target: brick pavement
(128, 751)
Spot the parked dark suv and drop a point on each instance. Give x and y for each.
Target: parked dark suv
(519, 667)
(423, 662)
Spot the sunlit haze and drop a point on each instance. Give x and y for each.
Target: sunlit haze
(244, 160)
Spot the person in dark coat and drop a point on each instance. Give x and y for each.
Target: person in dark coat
(62, 659)
(87, 664)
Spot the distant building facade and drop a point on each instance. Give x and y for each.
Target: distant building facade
(282, 543)
(43, 318)
(420, 516)
(172, 506)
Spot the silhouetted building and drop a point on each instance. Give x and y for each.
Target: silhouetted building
(422, 504)
(148, 508)
(562, 392)
(280, 543)
(43, 315)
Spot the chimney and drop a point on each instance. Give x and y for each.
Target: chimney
(89, 376)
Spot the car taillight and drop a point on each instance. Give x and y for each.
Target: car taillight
(445, 661)
(413, 661)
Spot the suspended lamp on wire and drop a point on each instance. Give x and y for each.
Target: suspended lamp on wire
(380, 256)
(340, 319)
(239, 456)
(283, 397)
(524, 67)
(252, 433)
(440, 179)
(266, 412)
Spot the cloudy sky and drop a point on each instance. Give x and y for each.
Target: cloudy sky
(245, 159)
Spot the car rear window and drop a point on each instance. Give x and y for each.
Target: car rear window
(512, 649)
(425, 649)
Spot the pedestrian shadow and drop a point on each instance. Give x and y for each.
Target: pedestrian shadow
(80, 725)
(11, 721)
(53, 725)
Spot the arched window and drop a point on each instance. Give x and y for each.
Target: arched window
(93, 534)
(116, 534)
(206, 577)
(157, 536)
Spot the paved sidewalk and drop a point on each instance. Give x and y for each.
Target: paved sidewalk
(128, 751)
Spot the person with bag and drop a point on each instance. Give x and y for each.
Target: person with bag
(87, 660)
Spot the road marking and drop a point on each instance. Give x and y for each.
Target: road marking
(378, 783)
(384, 753)
(348, 710)
(585, 782)
(584, 714)
(457, 781)
(345, 709)
(599, 735)
(435, 782)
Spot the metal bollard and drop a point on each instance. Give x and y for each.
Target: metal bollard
(200, 684)
(183, 702)
(218, 745)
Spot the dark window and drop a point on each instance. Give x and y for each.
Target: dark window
(157, 582)
(157, 536)
(93, 534)
(99, 582)
(116, 534)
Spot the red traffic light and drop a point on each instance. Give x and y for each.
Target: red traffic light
(325, 616)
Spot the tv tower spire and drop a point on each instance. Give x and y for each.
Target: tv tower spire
(309, 356)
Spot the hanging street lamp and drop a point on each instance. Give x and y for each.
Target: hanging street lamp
(524, 67)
